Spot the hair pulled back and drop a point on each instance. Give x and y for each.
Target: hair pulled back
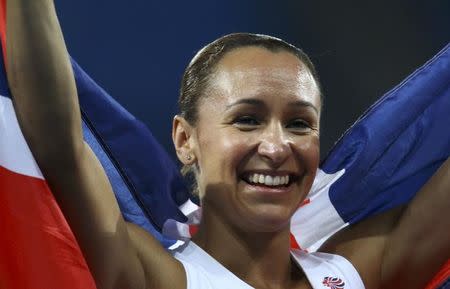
(200, 70)
(202, 67)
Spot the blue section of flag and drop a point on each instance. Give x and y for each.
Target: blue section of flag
(128, 206)
(147, 183)
(4, 88)
(395, 147)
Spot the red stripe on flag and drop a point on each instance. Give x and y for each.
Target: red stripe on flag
(294, 243)
(305, 202)
(37, 247)
(442, 276)
(193, 230)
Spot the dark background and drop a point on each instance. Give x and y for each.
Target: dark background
(137, 49)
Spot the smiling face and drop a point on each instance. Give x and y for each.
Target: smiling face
(256, 141)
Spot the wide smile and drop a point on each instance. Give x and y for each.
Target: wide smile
(269, 179)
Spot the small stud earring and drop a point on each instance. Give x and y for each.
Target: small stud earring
(189, 157)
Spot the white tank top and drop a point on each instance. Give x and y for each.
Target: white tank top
(322, 270)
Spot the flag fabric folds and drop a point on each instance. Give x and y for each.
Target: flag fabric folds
(37, 247)
(382, 160)
(388, 154)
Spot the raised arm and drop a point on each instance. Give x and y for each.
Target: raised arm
(420, 242)
(45, 99)
(404, 247)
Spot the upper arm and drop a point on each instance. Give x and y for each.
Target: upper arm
(420, 242)
(404, 247)
(119, 254)
(363, 245)
(161, 270)
(86, 198)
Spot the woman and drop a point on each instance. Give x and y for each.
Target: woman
(249, 132)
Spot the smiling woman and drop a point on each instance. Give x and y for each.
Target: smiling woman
(258, 115)
(249, 132)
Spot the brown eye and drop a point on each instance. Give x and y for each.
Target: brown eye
(299, 125)
(246, 121)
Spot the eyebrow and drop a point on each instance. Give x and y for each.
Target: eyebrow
(304, 103)
(251, 101)
(260, 103)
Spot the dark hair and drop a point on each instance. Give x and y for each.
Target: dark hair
(202, 67)
(199, 71)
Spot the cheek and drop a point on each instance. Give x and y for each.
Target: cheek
(220, 155)
(309, 152)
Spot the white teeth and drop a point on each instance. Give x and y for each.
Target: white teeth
(268, 180)
(261, 179)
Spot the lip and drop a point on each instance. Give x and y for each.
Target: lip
(270, 172)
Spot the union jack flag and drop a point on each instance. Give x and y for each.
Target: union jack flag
(380, 163)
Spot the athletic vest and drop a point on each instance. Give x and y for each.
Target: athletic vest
(323, 270)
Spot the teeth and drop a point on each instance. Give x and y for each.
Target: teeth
(276, 181)
(268, 180)
(261, 179)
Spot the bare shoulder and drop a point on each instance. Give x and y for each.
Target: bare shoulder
(161, 269)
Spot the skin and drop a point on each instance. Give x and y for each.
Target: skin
(261, 115)
(224, 145)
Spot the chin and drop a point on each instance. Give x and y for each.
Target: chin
(267, 220)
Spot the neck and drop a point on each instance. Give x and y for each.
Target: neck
(261, 259)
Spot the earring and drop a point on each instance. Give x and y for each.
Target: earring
(189, 157)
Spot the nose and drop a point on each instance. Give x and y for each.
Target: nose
(274, 145)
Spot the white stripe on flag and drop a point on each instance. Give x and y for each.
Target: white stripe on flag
(15, 155)
(315, 222)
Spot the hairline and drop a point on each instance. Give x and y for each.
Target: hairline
(273, 49)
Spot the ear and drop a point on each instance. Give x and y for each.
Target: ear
(183, 140)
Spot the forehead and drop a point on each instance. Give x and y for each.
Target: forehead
(258, 72)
